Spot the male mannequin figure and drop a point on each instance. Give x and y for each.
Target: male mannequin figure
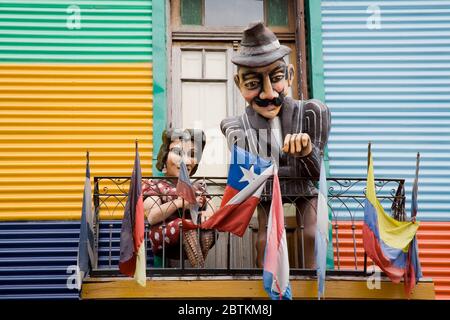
(290, 132)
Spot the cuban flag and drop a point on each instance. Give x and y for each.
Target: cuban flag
(276, 260)
(247, 176)
(321, 239)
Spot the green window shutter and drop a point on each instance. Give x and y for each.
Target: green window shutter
(277, 12)
(191, 12)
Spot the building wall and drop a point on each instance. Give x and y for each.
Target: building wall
(72, 78)
(386, 79)
(383, 69)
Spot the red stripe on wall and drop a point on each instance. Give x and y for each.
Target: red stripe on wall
(434, 251)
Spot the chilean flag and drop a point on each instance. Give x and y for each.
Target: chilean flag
(247, 176)
(276, 259)
(132, 245)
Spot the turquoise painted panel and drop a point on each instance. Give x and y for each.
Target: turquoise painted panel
(387, 80)
(75, 31)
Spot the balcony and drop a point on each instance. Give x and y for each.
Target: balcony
(230, 264)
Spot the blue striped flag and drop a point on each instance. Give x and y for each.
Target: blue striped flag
(321, 241)
(276, 259)
(86, 256)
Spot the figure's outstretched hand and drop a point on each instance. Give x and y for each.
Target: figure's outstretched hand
(298, 144)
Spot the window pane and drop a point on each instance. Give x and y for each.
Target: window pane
(216, 65)
(233, 12)
(204, 105)
(277, 12)
(191, 64)
(191, 12)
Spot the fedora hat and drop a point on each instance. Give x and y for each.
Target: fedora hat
(259, 47)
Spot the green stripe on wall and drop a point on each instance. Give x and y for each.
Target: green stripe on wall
(313, 9)
(50, 31)
(159, 79)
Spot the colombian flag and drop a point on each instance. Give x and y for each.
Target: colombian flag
(389, 243)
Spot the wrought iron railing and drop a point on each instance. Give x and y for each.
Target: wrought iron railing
(232, 255)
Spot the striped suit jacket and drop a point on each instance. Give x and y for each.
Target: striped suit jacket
(253, 133)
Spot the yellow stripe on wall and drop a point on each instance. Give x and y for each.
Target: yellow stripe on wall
(50, 114)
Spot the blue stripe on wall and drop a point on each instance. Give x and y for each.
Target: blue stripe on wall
(390, 86)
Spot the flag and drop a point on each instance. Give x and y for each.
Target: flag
(186, 191)
(246, 180)
(276, 259)
(132, 245)
(387, 242)
(413, 270)
(321, 240)
(86, 256)
(330, 249)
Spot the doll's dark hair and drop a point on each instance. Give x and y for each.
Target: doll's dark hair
(197, 136)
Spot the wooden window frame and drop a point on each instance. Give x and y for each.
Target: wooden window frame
(205, 37)
(176, 85)
(193, 32)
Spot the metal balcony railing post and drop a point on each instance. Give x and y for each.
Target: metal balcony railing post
(96, 225)
(110, 244)
(365, 262)
(336, 228)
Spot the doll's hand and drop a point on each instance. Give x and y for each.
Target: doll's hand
(205, 215)
(201, 201)
(298, 144)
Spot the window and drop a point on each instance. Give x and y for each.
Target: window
(202, 97)
(231, 14)
(204, 36)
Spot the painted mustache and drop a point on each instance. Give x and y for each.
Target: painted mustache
(278, 101)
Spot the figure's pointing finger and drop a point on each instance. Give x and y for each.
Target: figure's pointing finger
(286, 143)
(293, 138)
(298, 143)
(305, 140)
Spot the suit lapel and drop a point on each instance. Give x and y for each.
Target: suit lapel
(258, 123)
(287, 114)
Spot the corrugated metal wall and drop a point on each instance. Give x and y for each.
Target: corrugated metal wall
(73, 77)
(75, 31)
(34, 259)
(434, 252)
(387, 81)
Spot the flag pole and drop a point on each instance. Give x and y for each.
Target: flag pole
(369, 151)
(414, 192)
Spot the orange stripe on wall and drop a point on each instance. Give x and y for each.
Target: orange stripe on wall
(434, 252)
(50, 114)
